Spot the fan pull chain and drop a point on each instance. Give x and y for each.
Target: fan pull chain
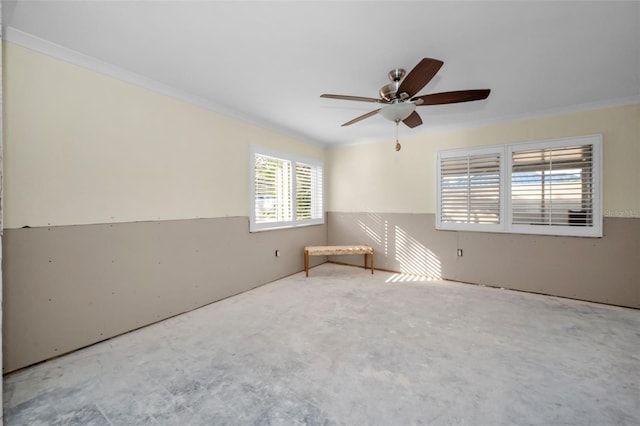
(398, 146)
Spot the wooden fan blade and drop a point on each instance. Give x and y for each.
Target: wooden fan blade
(413, 120)
(350, 98)
(362, 117)
(452, 97)
(419, 76)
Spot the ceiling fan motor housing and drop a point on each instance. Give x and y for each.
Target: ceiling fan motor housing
(389, 92)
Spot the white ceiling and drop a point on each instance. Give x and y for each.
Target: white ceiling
(267, 62)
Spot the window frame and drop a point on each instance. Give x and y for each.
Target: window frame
(506, 210)
(293, 159)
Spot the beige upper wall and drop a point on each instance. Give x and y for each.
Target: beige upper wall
(82, 147)
(375, 178)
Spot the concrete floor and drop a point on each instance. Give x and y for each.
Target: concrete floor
(345, 347)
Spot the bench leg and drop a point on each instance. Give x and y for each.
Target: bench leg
(365, 261)
(372, 262)
(306, 263)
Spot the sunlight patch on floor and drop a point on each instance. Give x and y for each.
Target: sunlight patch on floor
(403, 277)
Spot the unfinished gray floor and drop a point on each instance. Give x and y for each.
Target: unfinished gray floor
(346, 347)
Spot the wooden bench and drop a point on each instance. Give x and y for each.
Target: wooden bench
(336, 250)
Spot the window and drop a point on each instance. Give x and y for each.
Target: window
(286, 190)
(548, 187)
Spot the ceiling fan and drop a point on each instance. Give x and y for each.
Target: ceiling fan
(399, 95)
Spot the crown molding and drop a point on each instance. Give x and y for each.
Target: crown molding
(48, 48)
(551, 112)
(73, 57)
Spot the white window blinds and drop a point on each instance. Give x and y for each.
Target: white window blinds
(308, 191)
(273, 194)
(552, 186)
(470, 189)
(286, 191)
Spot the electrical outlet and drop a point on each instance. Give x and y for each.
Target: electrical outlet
(459, 252)
(277, 253)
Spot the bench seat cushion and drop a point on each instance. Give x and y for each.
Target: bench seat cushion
(330, 250)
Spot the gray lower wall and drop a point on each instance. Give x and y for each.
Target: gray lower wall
(605, 270)
(70, 286)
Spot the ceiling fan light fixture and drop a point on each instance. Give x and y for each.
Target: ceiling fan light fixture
(397, 112)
